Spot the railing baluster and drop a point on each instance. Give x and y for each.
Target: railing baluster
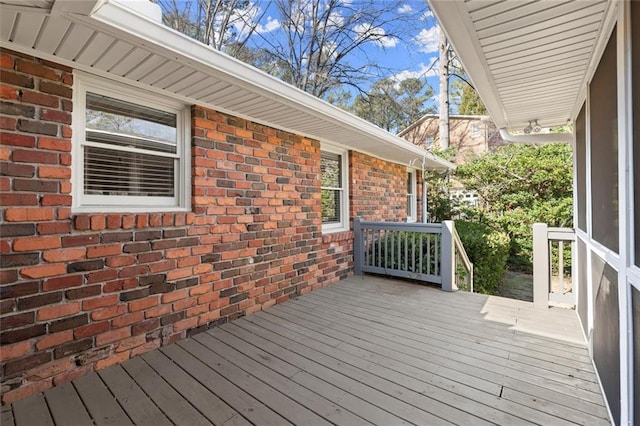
(421, 254)
(561, 267)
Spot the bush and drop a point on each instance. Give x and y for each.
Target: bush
(488, 249)
(401, 250)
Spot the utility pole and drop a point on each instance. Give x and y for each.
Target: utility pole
(443, 68)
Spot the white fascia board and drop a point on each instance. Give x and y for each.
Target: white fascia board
(456, 23)
(172, 44)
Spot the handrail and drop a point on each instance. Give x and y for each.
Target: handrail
(543, 290)
(430, 252)
(462, 253)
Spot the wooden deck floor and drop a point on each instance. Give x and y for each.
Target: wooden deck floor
(364, 351)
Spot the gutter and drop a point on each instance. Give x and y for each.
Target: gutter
(540, 138)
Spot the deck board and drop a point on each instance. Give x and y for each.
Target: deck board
(66, 407)
(364, 351)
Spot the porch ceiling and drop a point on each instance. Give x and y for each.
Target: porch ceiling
(107, 38)
(528, 59)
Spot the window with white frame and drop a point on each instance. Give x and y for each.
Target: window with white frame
(334, 197)
(131, 151)
(412, 205)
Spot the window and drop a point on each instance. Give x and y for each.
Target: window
(412, 210)
(475, 130)
(635, 66)
(604, 149)
(131, 152)
(335, 211)
(581, 169)
(428, 142)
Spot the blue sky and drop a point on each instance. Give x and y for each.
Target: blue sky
(413, 56)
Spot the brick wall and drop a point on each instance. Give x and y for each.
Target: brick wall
(85, 291)
(378, 189)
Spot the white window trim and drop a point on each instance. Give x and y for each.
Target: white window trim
(88, 204)
(343, 225)
(414, 198)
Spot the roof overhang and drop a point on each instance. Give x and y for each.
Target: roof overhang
(529, 60)
(114, 39)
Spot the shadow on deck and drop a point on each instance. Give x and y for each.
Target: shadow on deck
(366, 350)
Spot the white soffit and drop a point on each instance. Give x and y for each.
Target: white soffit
(115, 41)
(528, 59)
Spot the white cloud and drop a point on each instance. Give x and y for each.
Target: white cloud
(424, 70)
(428, 39)
(375, 34)
(406, 8)
(428, 14)
(272, 24)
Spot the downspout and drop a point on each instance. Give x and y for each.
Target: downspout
(538, 138)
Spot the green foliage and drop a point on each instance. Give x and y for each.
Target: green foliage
(391, 105)
(518, 186)
(401, 250)
(439, 205)
(488, 250)
(470, 102)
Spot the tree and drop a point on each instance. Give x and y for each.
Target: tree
(443, 71)
(470, 102)
(225, 25)
(320, 37)
(518, 186)
(392, 105)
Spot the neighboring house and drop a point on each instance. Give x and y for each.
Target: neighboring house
(577, 61)
(469, 135)
(152, 187)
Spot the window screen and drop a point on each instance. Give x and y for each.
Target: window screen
(581, 169)
(332, 190)
(604, 148)
(129, 149)
(635, 64)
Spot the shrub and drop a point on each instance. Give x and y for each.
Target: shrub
(488, 249)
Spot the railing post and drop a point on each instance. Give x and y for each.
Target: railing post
(448, 257)
(358, 249)
(541, 271)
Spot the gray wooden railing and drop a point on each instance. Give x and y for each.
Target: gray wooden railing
(430, 252)
(552, 282)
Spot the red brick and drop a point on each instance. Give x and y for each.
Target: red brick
(51, 340)
(15, 139)
(41, 157)
(174, 296)
(55, 115)
(142, 304)
(113, 336)
(7, 92)
(56, 173)
(91, 329)
(64, 255)
(58, 311)
(157, 311)
(104, 250)
(59, 283)
(18, 199)
(54, 144)
(25, 391)
(108, 313)
(6, 61)
(49, 228)
(39, 70)
(114, 221)
(127, 319)
(35, 214)
(100, 302)
(16, 350)
(130, 343)
(36, 243)
(43, 271)
(97, 222)
(112, 360)
(40, 99)
(8, 123)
